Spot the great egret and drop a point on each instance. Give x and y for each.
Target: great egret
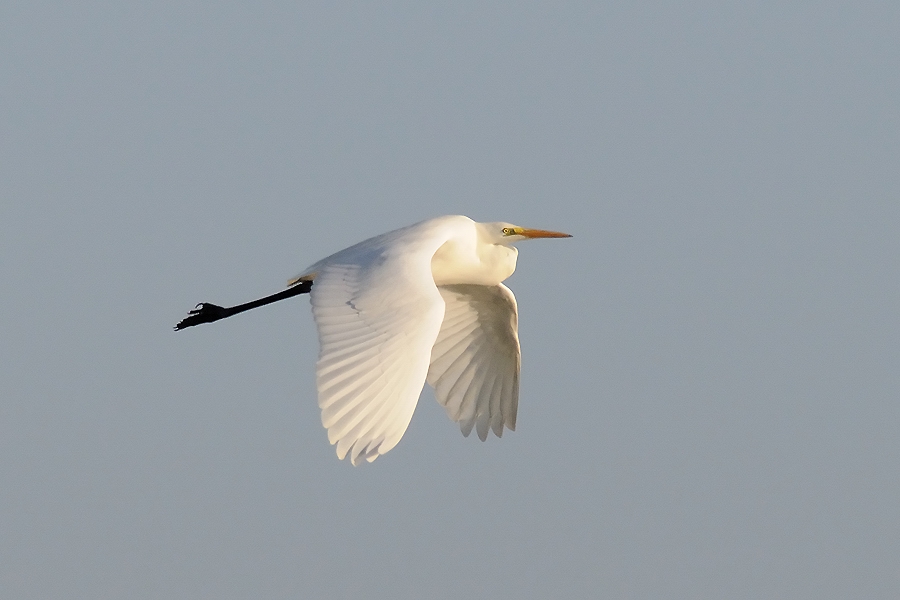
(422, 303)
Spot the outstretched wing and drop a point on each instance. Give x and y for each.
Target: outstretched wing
(475, 361)
(378, 314)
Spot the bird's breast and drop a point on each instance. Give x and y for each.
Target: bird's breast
(458, 263)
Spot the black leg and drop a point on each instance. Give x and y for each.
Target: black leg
(207, 313)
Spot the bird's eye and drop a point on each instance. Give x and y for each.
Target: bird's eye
(508, 231)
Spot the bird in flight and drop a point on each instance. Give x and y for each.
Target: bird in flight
(424, 303)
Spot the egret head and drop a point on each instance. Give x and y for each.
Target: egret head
(507, 233)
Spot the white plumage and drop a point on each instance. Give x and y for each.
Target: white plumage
(422, 303)
(474, 366)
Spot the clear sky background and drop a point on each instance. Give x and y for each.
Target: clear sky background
(711, 374)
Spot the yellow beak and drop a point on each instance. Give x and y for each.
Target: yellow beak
(542, 233)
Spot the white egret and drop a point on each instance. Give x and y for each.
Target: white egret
(422, 303)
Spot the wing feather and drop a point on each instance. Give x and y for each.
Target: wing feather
(475, 361)
(457, 394)
(448, 355)
(378, 314)
(361, 409)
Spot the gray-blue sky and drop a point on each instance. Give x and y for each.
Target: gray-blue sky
(710, 371)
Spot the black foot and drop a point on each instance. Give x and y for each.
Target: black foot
(203, 313)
